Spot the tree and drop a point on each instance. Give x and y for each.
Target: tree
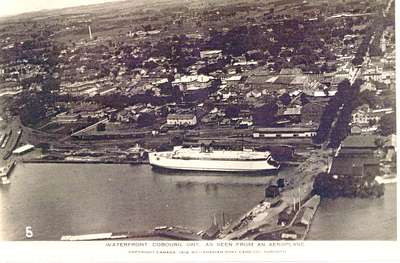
(306, 51)
(101, 127)
(327, 118)
(232, 111)
(347, 96)
(367, 97)
(357, 60)
(208, 106)
(275, 49)
(146, 119)
(165, 88)
(343, 89)
(303, 98)
(285, 99)
(33, 109)
(44, 146)
(341, 128)
(150, 65)
(164, 111)
(265, 115)
(387, 124)
(176, 140)
(176, 94)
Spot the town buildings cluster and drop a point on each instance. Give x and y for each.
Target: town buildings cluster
(271, 68)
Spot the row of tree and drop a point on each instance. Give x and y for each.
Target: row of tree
(342, 125)
(331, 111)
(370, 42)
(349, 98)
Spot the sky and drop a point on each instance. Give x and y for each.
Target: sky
(13, 7)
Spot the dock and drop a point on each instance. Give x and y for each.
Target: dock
(171, 232)
(108, 236)
(13, 144)
(6, 170)
(298, 227)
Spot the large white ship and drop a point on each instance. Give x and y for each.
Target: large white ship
(207, 159)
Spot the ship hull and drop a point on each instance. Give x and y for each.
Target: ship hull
(210, 165)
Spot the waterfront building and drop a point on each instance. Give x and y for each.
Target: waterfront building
(210, 54)
(324, 93)
(272, 191)
(285, 132)
(358, 146)
(292, 114)
(360, 142)
(357, 167)
(23, 149)
(65, 117)
(182, 119)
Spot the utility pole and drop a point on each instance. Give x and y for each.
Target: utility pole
(299, 197)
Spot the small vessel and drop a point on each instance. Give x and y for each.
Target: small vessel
(5, 180)
(5, 173)
(207, 159)
(4, 141)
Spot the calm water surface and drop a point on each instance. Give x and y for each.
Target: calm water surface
(73, 199)
(356, 219)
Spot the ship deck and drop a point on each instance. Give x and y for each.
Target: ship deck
(220, 155)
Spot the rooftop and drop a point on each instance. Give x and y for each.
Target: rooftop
(257, 79)
(291, 71)
(23, 149)
(360, 141)
(357, 152)
(181, 116)
(287, 129)
(292, 111)
(353, 166)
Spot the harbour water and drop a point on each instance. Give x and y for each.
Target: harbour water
(356, 219)
(74, 199)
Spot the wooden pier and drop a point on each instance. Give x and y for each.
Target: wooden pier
(171, 232)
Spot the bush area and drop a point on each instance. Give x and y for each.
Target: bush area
(329, 186)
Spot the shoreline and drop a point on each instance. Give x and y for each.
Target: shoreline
(137, 162)
(84, 162)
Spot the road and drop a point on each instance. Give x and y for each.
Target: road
(299, 189)
(385, 11)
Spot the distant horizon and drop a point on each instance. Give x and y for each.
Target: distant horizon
(18, 7)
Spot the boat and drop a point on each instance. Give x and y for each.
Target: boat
(5, 180)
(4, 141)
(207, 159)
(5, 173)
(6, 170)
(2, 138)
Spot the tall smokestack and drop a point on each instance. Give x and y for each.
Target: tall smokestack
(90, 33)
